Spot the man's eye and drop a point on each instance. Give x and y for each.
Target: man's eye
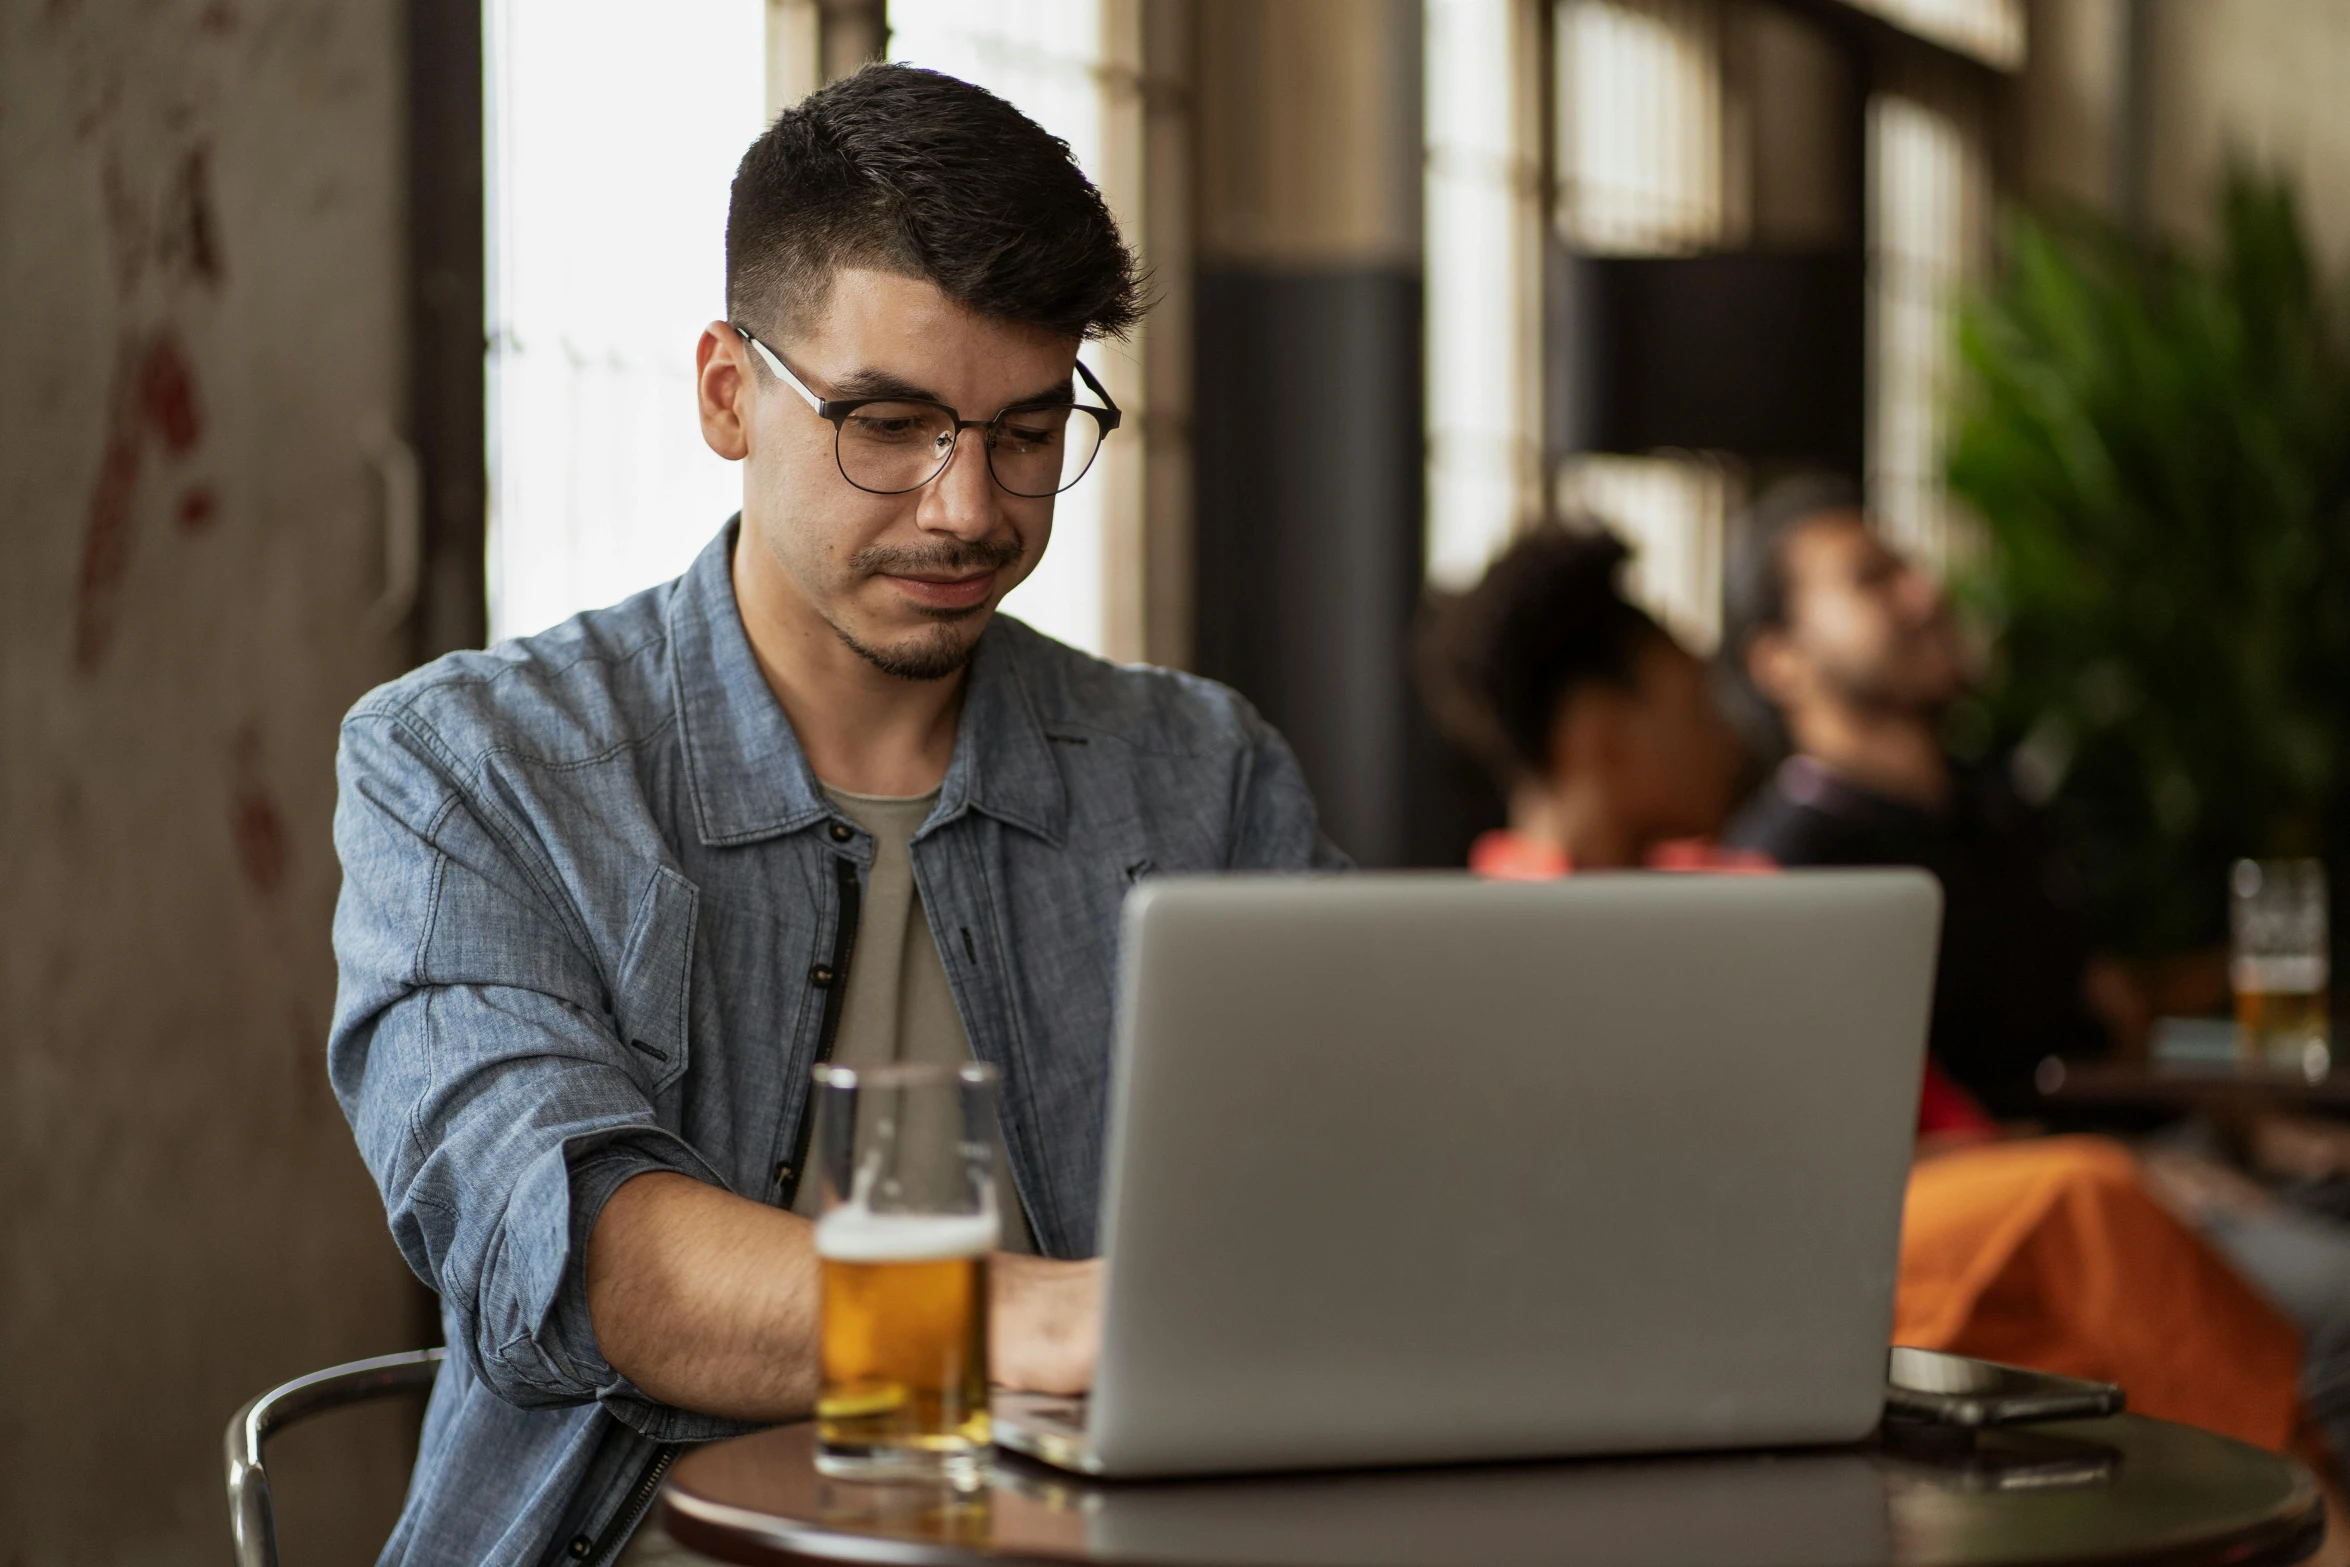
(887, 429)
(1027, 437)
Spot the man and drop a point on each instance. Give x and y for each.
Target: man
(611, 890)
(1855, 649)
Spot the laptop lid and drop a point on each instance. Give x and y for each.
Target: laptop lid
(1414, 1168)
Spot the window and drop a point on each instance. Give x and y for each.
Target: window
(1640, 152)
(1640, 126)
(1484, 271)
(1928, 234)
(611, 135)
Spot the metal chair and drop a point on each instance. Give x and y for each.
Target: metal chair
(250, 1519)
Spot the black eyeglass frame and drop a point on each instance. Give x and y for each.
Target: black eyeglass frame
(836, 411)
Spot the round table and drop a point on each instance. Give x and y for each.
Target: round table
(2125, 1489)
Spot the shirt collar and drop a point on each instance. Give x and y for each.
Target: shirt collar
(748, 777)
(1004, 765)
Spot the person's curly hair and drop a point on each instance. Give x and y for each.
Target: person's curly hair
(1548, 617)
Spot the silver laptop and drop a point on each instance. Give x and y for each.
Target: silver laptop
(1421, 1168)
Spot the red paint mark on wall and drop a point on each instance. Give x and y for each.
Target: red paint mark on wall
(199, 509)
(167, 394)
(256, 824)
(154, 395)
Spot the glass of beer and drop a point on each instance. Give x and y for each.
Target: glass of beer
(2279, 965)
(906, 1155)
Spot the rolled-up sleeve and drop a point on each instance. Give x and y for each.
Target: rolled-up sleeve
(474, 1053)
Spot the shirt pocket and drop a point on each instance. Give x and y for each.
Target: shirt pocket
(656, 974)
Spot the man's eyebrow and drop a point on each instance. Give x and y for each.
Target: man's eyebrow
(1056, 395)
(870, 382)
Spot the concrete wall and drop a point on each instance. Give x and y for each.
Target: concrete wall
(2263, 78)
(200, 302)
(2266, 77)
(2069, 103)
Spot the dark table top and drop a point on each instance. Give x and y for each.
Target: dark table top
(2126, 1489)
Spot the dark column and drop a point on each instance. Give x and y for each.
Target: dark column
(446, 391)
(1309, 522)
(1308, 418)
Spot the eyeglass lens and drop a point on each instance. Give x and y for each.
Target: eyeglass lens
(893, 447)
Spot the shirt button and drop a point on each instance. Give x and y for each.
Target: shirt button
(840, 832)
(581, 1545)
(820, 976)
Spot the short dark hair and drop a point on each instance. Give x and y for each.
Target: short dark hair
(1754, 576)
(1548, 617)
(916, 173)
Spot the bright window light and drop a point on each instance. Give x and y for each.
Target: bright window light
(1928, 196)
(612, 134)
(1641, 173)
(1482, 235)
(1640, 126)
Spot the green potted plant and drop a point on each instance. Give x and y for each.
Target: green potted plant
(2160, 448)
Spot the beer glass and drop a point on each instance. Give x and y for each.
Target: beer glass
(2279, 964)
(906, 1155)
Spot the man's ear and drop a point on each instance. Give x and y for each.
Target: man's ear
(722, 388)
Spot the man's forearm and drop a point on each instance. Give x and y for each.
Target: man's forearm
(709, 1302)
(706, 1300)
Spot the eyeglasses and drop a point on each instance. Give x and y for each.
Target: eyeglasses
(890, 445)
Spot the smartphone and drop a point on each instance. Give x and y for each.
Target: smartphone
(1952, 1390)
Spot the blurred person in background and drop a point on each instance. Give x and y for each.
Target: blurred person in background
(1856, 652)
(1605, 736)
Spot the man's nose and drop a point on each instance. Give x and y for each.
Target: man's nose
(962, 499)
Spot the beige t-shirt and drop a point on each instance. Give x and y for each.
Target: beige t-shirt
(898, 1006)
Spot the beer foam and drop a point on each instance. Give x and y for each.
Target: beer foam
(855, 1233)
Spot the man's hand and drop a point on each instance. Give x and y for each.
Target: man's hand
(1044, 1323)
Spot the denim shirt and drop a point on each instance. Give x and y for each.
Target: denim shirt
(595, 919)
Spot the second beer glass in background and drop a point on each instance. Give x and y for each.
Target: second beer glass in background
(906, 1154)
(2280, 965)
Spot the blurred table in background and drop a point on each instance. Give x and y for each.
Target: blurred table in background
(2193, 1067)
(2115, 1491)
(2186, 1086)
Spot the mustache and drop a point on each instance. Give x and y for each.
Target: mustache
(959, 555)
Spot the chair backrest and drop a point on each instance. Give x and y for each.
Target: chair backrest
(251, 1523)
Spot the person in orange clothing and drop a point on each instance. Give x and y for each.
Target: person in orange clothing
(2049, 1253)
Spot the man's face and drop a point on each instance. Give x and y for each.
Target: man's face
(1864, 627)
(907, 581)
